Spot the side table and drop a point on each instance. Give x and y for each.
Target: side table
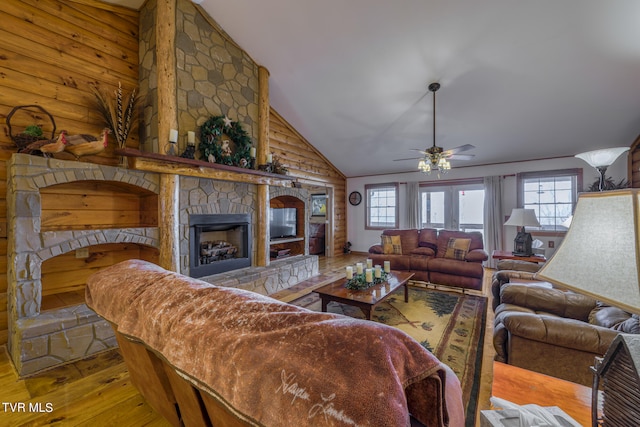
(522, 386)
(509, 255)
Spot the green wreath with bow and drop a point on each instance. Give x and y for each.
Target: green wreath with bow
(212, 148)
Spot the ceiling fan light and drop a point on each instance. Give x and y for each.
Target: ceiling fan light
(424, 167)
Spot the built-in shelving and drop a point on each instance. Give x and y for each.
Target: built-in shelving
(286, 240)
(295, 245)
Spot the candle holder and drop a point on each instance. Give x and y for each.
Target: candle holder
(266, 168)
(171, 149)
(359, 281)
(189, 152)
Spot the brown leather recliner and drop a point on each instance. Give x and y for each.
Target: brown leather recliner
(555, 332)
(502, 277)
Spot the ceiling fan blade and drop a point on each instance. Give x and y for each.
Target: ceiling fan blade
(420, 151)
(460, 149)
(461, 156)
(410, 158)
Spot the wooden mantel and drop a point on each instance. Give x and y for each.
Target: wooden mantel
(162, 163)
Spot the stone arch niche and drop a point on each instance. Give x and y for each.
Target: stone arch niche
(297, 199)
(58, 210)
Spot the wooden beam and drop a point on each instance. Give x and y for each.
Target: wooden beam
(262, 211)
(151, 162)
(263, 115)
(169, 226)
(166, 65)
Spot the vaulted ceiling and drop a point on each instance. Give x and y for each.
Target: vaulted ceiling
(520, 79)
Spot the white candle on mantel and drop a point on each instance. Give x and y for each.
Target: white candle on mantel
(173, 135)
(191, 138)
(387, 266)
(369, 263)
(359, 268)
(269, 158)
(378, 272)
(252, 152)
(349, 272)
(368, 275)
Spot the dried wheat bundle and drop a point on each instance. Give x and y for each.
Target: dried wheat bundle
(117, 112)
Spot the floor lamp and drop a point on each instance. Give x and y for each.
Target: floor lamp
(600, 257)
(602, 159)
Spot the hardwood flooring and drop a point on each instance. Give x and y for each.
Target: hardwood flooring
(97, 391)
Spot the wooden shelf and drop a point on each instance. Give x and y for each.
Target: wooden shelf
(161, 163)
(286, 240)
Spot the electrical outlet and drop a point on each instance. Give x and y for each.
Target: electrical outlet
(82, 253)
(552, 244)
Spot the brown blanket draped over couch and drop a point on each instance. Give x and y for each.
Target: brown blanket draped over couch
(269, 363)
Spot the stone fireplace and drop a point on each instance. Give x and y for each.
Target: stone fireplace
(39, 338)
(58, 210)
(219, 243)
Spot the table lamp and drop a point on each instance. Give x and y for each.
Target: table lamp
(600, 257)
(521, 218)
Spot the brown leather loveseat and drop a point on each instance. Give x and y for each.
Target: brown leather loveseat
(444, 257)
(555, 332)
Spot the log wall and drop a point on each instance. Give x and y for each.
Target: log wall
(633, 164)
(52, 51)
(310, 168)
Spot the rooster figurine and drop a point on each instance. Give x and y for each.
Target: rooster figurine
(48, 146)
(88, 148)
(80, 138)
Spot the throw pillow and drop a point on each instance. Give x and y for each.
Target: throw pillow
(391, 245)
(457, 248)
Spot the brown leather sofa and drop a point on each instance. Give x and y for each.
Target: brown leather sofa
(555, 332)
(423, 253)
(316, 238)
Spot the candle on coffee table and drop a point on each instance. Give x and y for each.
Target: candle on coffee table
(359, 268)
(369, 263)
(387, 266)
(368, 275)
(349, 272)
(378, 272)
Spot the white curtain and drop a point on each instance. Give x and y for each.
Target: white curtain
(413, 205)
(493, 217)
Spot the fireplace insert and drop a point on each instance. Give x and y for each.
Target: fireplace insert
(219, 243)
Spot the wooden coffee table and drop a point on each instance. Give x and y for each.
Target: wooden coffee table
(367, 299)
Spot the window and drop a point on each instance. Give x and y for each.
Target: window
(381, 206)
(458, 206)
(552, 194)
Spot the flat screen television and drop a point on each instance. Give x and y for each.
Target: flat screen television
(283, 222)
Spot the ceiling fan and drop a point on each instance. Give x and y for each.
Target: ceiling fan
(437, 158)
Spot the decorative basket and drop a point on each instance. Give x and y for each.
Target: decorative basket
(21, 139)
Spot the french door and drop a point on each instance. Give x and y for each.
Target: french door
(452, 207)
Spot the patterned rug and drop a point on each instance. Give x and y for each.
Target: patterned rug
(450, 325)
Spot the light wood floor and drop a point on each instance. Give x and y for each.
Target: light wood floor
(97, 391)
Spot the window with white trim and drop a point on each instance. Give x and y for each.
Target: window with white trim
(551, 194)
(381, 206)
(452, 206)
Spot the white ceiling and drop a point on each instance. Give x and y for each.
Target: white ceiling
(520, 79)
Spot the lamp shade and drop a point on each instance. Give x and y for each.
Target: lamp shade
(523, 218)
(599, 255)
(604, 157)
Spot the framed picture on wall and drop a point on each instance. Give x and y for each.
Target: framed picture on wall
(318, 205)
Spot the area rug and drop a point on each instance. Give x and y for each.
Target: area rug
(450, 325)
